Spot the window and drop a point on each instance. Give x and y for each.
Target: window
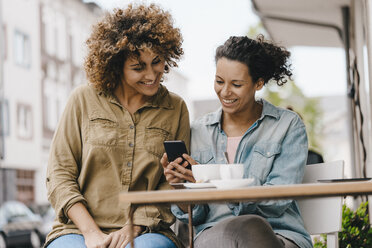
(61, 40)
(3, 43)
(22, 49)
(51, 70)
(78, 49)
(4, 111)
(51, 117)
(50, 32)
(54, 100)
(64, 73)
(25, 186)
(24, 121)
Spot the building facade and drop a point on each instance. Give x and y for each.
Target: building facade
(43, 51)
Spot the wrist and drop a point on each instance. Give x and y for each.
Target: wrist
(90, 231)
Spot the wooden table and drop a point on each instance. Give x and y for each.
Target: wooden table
(254, 193)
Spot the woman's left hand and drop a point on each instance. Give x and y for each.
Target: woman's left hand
(176, 172)
(120, 238)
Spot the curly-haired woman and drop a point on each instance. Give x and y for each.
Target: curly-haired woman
(110, 136)
(271, 142)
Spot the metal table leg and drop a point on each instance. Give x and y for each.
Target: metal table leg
(131, 231)
(191, 231)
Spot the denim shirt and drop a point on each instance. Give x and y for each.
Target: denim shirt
(273, 151)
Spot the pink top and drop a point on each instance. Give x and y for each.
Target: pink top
(232, 145)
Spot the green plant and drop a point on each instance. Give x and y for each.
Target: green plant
(320, 242)
(356, 230)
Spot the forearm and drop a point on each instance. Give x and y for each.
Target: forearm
(79, 214)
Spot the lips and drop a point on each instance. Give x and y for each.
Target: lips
(148, 83)
(151, 83)
(229, 101)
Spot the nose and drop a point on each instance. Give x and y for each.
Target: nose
(150, 74)
(225, 91)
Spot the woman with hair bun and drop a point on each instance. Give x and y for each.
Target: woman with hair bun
(271, 142)
(110, 136)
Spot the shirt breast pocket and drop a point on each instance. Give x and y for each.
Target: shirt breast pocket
(203, 157)
(154, 138)
(263, 158)
(102, 131)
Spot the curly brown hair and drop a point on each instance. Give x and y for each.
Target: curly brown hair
(122, 34)
(264, 59)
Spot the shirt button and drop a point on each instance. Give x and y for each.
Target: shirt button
(131, 144)
(268, 153)
(131, 126)
(129, 164)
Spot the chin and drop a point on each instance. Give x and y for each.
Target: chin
(151, 92)
(228, 110)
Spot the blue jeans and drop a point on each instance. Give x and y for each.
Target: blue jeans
(147, 240)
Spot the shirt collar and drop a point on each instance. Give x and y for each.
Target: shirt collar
(161, 99)
(215, 117)
(267, 110)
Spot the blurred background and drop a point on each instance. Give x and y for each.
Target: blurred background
(42, 53)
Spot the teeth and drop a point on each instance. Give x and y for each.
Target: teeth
(148, 83)
(228, 101)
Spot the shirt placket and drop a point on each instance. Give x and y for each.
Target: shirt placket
(127, 168)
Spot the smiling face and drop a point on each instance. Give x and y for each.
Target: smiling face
(234, 87)
(142, 75)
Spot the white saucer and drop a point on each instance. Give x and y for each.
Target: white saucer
(198, 185)
(232, 183)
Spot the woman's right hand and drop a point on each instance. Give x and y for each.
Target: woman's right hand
(95, 239)
(175, 172)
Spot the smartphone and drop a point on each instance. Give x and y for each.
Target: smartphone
(344, 180)
(175, 149)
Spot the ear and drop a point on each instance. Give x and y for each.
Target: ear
(259, 84)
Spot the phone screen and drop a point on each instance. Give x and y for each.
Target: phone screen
(175, 149)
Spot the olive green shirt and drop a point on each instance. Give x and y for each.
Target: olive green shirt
(99, 150)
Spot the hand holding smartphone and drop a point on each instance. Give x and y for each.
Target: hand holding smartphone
(175, 149)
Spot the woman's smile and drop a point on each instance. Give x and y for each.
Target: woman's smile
(228, 101)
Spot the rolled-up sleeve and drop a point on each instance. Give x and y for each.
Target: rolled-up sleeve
(199, 214)
(65, 160)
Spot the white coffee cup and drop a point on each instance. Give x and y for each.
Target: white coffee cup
(231, 171)
(205, 172)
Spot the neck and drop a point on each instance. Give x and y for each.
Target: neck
(129, 99)
(238, 123)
